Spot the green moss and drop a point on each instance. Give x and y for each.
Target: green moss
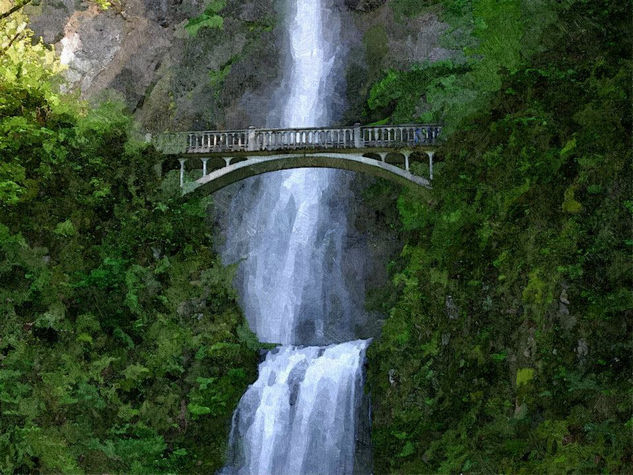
(208, 19)
(524, 376)
(376, 47)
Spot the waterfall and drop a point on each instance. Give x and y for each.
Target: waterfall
(301, 414)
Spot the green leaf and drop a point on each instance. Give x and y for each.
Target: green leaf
(65, 229)
(204, 21)
(407, 450)
(524, 376)
(198, 410)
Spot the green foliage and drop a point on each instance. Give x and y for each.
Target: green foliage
(122, 348)
(398, 95)
(524, 376)
(507, 348)
(208, 19)
(410, 8)
(489, 37)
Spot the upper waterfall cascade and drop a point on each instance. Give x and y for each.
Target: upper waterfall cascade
(301, 415)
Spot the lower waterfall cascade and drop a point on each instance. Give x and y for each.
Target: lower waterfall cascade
(302, 413)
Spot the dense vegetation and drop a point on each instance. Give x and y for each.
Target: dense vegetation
(508, 347)
(122, 348)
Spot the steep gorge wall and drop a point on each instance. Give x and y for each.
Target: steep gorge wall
(221, 77)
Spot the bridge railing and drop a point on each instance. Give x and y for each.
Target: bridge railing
(253, 140)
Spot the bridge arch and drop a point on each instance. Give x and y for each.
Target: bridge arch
(257, 165)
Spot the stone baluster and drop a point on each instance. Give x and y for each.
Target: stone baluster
(251, 139)
(204, 166)
(182, 171)
(358, 139)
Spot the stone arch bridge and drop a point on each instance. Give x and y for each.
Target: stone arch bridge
(225, 157)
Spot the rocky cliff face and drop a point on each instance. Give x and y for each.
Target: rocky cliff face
(219, 77)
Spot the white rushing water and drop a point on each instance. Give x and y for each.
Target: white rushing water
(301, 414)
(291, 282)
